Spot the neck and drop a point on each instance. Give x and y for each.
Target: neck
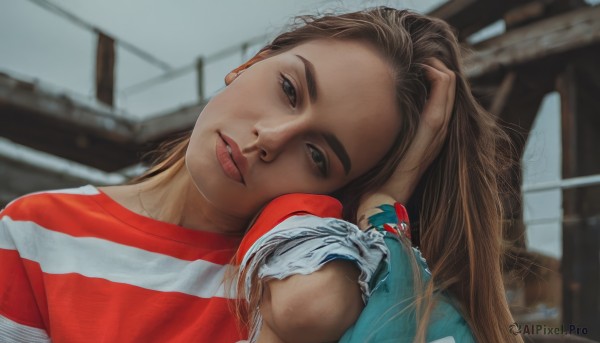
(179, 202)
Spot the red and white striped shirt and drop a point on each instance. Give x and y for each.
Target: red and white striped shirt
(76, 266)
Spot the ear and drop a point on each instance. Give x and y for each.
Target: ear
(239, 70)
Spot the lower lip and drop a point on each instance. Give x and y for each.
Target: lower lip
(226, 161)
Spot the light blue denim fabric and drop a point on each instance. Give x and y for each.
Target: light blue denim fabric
(390, 314)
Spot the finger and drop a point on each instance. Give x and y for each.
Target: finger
(436, 108)
(439, 65)
(442, 77)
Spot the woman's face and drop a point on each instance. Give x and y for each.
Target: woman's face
(308, 120)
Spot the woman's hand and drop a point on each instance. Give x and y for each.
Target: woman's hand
(425, 147)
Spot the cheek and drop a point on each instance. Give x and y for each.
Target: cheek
(286, 174)
(219, 105)
(193, 150)
(199, 162)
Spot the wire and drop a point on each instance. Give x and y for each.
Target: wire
(169, 71)
(176, 72)
(57, 10)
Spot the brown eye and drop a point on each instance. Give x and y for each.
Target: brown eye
(288, 90)
(318, 159)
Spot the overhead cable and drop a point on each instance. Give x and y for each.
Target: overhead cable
(176, 72)
(148, 57)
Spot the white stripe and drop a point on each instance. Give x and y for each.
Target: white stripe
(13, 332)
(59, 253)
(83, 190)
(447, 339)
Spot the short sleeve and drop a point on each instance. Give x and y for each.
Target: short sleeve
(20, 316)
(302, 244)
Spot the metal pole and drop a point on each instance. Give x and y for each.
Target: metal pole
(574, 182)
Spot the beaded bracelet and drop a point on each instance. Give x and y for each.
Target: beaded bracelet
(393, 219)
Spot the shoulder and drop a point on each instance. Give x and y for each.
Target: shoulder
(41, 204)
(35, 218)
(285, 206)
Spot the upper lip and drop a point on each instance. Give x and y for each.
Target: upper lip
(238, 158)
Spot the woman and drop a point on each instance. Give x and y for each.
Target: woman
(324, 110)
(459, 217)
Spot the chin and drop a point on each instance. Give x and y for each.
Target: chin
(219, 191)
(225, 194)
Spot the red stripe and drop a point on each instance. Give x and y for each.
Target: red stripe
(82, 308)
(75, 308)
(18, 289)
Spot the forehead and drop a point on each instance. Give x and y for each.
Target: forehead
(356, 96)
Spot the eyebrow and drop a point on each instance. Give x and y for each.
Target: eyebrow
(339, 150)
(309, 73)
(331, 139)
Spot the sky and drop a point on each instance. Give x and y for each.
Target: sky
(60, 53)
(37, 44)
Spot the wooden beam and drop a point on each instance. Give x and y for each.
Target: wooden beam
(66, 140)
(502, 93)
(112, 124)
(85, 132)
(452, 9)
(24, 170)
(105, 69)
(470, 16)
(62, 108)
(522, 14)
(549, 37)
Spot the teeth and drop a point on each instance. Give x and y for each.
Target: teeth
(228, 149)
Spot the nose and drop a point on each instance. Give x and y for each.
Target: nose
(273, 137)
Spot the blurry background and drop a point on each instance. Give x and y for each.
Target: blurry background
(87, 87)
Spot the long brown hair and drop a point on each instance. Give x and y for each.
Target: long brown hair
(460, 210)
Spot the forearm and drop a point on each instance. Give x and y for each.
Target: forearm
(317, 307)
(425, 145)
(399, 190)
(368, 207)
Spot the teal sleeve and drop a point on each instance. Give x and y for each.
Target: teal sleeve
(389, 315)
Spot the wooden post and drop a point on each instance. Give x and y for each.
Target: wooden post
(244, 52)
(105, 69)
(200, 78)
(579, 86)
